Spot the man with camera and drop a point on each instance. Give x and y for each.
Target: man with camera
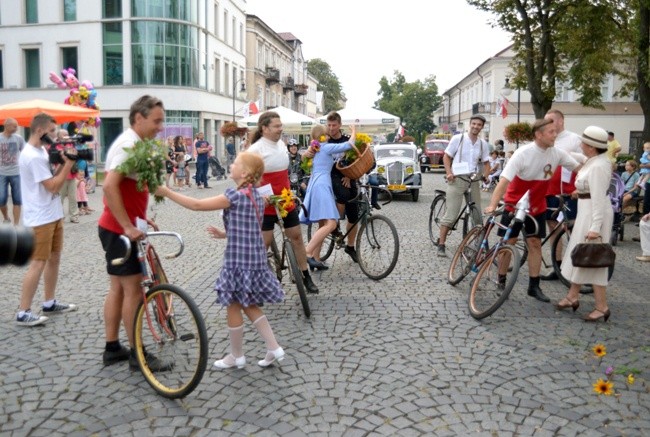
(42, 211)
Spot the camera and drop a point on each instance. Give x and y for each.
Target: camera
(16, 245)
(55, 148)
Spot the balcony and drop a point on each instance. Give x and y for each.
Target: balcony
(481, 108)
(301, 89)
(288, 84)
(272, 75)
(443, 119)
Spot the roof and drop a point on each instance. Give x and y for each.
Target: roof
(288, 36)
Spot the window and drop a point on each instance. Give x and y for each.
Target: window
(32, 68)
(225, 25)
(113, 54)
(185, 10)
(112, 9)
(241, 37)
(69, 10)
(233, 39)
(2, 83)
(31, 11)
(69, 58)
(216, 19)
(217, 75)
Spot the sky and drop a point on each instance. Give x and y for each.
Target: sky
(364, 40)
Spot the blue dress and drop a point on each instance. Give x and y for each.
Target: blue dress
(246, 277)
(319, 198)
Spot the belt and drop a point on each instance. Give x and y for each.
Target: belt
(584, 195)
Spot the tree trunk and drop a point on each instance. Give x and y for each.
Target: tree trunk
(643, 66)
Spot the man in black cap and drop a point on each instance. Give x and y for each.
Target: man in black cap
(463, 156)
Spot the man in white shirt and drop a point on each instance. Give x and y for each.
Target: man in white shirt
(43, 212)
(467, 151)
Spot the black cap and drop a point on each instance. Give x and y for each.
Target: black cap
(478, 117)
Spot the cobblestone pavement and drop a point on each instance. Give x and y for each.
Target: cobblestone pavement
(400, 356)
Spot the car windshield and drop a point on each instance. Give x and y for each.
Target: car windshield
(395, 153)
(436, 146)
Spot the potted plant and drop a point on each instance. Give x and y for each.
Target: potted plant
(518, 132)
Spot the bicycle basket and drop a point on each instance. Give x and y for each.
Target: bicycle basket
(360, 166)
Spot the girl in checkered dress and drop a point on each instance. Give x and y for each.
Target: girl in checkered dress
(245, 280)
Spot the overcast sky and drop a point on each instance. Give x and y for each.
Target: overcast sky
(365, 40)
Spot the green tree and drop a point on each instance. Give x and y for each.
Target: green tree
(413, 102)
(328, 83)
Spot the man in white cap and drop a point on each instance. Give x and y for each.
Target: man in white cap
(529, 170)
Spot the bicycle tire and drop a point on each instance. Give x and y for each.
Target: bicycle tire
(377, 247)
(438, 209)
(296, 275)
(275, 259)
(328, 244)
(472, 219)
(182, 342)
(465, 256)
(487, 294)
(557, 267)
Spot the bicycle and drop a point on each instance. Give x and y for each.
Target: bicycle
(496, 266)
(470, 214)
(286, 259)
(168, 324)
(377, 242)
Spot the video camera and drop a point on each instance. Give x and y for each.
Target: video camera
(16, 245)
(55, 148)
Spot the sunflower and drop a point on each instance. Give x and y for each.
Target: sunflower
(603, 387)
(599, 350)
(630, 379)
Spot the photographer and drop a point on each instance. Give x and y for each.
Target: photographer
(69, 188)
(42, 211)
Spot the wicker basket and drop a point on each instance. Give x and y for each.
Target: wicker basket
(360, 166)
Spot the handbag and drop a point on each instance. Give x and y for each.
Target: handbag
(593, 255)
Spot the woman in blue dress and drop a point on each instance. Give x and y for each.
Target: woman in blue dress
(319, 198)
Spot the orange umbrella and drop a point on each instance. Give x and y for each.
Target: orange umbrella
(23, 112)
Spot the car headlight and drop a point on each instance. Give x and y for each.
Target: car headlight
(381, 169)
(409, 170)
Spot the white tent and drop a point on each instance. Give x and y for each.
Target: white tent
(369, 120)
(292, 122)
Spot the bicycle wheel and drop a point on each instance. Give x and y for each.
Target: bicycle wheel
(296, 275)
(438, 210)
(491, 288)
(472, 219)
(465, 256)
(275, 259)
(377, 247)
(328, 244)
(169, 326)
(558, 248)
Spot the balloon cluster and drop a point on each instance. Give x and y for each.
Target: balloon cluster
(82, 94)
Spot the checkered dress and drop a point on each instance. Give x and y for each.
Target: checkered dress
(245, 277)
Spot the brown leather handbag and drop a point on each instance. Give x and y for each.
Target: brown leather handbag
(593, 255)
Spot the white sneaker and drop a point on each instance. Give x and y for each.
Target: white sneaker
(29, 319)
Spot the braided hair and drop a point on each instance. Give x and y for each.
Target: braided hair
(254, 166)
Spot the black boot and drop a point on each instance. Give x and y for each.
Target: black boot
(309, 284)
(535, 291)
(551, 276)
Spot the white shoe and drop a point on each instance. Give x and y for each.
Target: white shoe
(230, 361)
(277, 355)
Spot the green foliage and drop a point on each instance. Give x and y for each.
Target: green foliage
(621, 157)
(146, 159)
(413, 102)
(328, 83)
(518, 132)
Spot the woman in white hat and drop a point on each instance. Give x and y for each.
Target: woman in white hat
(594, 221)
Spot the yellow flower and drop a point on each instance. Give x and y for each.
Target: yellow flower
(322, 138)
(604, 387)
(630, 379)
(599, 350)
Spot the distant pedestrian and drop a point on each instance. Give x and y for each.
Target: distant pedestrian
(245, 281)
(10, 146)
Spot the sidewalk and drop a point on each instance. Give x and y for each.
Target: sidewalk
(399, 356)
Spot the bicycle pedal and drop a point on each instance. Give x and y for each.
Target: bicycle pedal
(187, 337)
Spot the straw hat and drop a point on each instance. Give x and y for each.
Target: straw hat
(595, 136)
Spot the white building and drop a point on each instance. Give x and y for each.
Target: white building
(189, 53)
(480, 90)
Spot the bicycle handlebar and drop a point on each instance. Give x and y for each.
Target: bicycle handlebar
(127, 244)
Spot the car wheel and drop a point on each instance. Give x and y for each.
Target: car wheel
(423, 169)
(415, 194)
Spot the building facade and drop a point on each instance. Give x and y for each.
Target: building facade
(192, 54)
(482, 90)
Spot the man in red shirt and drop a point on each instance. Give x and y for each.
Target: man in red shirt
(123, 203)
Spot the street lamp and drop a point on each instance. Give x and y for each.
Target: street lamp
(234, 95)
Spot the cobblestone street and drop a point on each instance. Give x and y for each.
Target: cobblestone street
(400, 356)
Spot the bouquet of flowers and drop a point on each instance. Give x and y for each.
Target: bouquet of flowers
(518, 132)
(284, 201)
(361, 142)
(307, 163)
(146, 159)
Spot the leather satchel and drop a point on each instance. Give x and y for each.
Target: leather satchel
(593, 255)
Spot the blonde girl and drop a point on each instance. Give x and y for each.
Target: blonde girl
(245, 280)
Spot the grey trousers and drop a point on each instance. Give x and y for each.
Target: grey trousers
(455, 196)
